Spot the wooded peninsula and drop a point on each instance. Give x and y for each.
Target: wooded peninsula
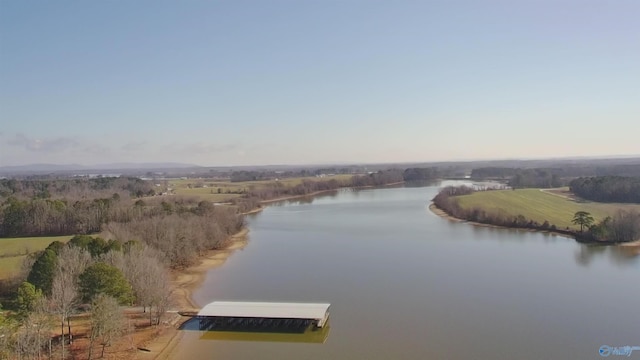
(565, 210)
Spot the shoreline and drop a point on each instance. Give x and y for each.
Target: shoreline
(316, 193)
(631, 244)
(253, 211)
(293, 197)
(184, 283)
(441, 213)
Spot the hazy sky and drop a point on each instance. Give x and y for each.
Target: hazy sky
(318, 81)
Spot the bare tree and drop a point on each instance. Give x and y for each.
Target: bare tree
(72, 261)
(626, 226)
(7, 335)
(107, 322)
(157, 290)
(145, 270)
(63, 299)
(114, 258)
(34, 332)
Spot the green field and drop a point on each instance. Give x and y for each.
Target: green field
(14, 250)
(538, 205)
(10, 266)
(26, 245)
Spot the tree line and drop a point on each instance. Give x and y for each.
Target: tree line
(420, 174)
(608, 188)
(182, 235)
(45, 217)
(181, 227)
(493, 172)
(624, 226)
(64, 207)
(262, 175)
(521, 178)
(256, 195)
(75, 188)
(567, 170)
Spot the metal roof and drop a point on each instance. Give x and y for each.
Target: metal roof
(266, 310)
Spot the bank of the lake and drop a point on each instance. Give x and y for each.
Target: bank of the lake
(529, 209)
(303, 196)
(443, 214)
(323, 192)
(184, 283)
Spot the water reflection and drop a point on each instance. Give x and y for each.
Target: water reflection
(305, 199)
(584, 255)
(421, 183)
(618, 255)
(508, 234)
(310, 334)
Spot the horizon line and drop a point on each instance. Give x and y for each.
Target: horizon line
(336, 163)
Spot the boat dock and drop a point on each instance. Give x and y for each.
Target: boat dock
(261, 316)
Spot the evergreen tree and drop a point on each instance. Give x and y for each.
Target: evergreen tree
(41, 274)
(101, 278)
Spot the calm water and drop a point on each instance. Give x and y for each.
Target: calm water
(407, 284)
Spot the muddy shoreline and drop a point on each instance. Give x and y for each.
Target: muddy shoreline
(184, 283)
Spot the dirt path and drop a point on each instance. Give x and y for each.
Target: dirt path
(560, 192)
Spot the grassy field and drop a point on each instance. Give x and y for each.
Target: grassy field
(10, 266)
(222, 191)
(556, 207)
(26, 245)
(14, 250)
(206, 194)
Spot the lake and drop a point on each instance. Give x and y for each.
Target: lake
(404, 283)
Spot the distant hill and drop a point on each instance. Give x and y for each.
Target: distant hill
(40, 168)
(168, 165)
(67, 168)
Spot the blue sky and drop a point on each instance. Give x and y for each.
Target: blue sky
(297, 82)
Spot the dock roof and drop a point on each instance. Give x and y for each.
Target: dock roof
(266, 310)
